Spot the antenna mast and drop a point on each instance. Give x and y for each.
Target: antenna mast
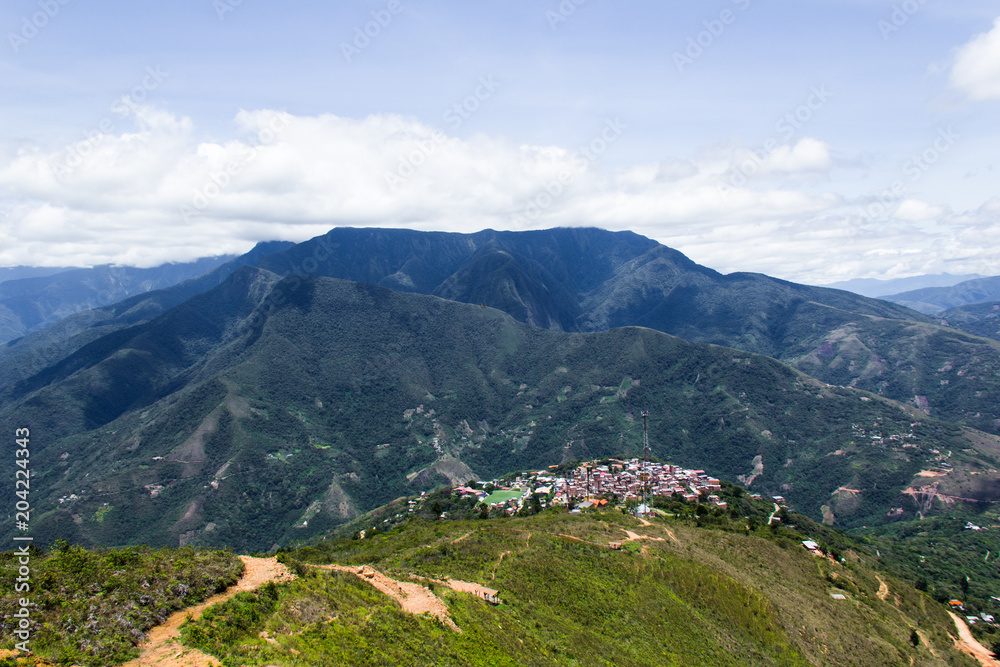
(644, 477)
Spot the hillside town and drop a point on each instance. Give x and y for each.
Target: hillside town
(591, 483)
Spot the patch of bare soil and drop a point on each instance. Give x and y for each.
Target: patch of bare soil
(471, 587)
(966, 643)
(633, 536)
(162, 647)
(883, 589)
(480, 591)
(413, 598)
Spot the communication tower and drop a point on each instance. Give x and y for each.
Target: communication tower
(644, 475)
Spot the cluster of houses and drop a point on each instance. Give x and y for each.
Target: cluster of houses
(583, 485)
(878, 436)
(958, 606)
(627, 479)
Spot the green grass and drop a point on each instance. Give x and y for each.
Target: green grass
(94, 607)
(699, 596)
(503, 496)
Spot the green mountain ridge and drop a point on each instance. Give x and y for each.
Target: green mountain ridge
(981, 319)
(586, 280)
(270, 409)
(25, 356)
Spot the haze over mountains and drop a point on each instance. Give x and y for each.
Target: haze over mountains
(877, 288)
(936, 300)
(295, 386)
(32, 302)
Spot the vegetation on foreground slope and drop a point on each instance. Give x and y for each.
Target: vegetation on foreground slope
(695, 586)
(677, 594)
(94, 607)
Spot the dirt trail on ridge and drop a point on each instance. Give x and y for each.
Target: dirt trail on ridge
(413, 598)
(162, 647)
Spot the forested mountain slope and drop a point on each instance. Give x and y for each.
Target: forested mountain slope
(266, 409)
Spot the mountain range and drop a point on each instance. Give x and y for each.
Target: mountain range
(33, 302)
(937, 300)
(291, 388)
(879, 288)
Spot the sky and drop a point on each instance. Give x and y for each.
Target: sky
(812, 141)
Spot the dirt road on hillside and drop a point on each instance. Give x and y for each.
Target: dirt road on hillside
(968, 644)
(162, 647)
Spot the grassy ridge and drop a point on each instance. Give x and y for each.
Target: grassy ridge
(694, 596)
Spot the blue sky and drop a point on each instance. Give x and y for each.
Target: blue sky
(814, 141)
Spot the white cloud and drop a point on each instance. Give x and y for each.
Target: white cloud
(161, 193)
(807, 155)
(914, 210)
(976, 70)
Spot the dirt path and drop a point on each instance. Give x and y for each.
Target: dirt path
(968, 644)
(580, 539)
(883, 589)
(776, 510)
(928, 644)
(480, 591)
(162, 647)
(502, 556)
(633, 536)
(469, 587)
(413, 598)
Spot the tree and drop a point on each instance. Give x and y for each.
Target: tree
(964, 583)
